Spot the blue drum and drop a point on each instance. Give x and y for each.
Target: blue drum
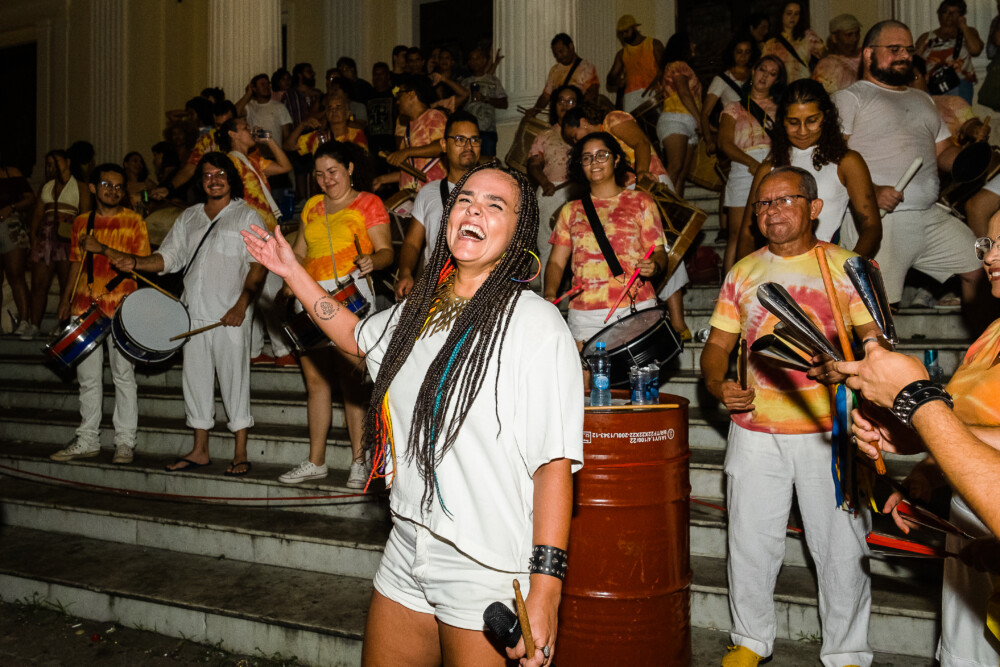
(80, 337)
(144, 323)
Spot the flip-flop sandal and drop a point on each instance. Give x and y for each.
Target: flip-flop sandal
(191, 465)
(232, 472)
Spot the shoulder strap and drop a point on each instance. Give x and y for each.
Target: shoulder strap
(957, 51)
(444, 192)
(759, 115)
(732, 84)
(200, 244)
(602, 239)
(572, 71)
(791, 49)
(89, 261)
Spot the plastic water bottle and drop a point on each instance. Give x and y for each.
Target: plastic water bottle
(653, 383)
(638, 378)
(600, 376)
(934, 369)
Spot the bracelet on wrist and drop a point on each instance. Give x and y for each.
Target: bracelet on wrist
(548, 560)
(916, 394)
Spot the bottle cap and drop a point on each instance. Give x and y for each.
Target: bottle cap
(599, 345)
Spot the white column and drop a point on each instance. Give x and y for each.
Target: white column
(108, 63)
(244, 39)
(595, 37)
(346, 30)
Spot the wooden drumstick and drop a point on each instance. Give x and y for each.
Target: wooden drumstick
(522, 617)
(635, 274)
(79, 274)
(187, 334)
(838, 321)
(371, 287)
(153, 285)
(412, 171)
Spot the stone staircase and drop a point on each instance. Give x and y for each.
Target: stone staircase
(264, 567)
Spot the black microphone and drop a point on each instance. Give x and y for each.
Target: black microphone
(504, 624)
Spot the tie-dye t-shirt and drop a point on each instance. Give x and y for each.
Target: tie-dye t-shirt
(809, 46)
(632, 224)
(365, 211)
(786, 400)
(254, 182)
(427, 128)
(976, 384)
(309, 142)
(836, 72)
(615, 118)
(125, 232)
(204, 144)
(747, 132)
(954, 111)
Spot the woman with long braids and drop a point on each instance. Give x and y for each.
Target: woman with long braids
(476, 421)
(807, 135)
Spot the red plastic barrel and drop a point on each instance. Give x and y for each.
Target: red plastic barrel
(626, 598)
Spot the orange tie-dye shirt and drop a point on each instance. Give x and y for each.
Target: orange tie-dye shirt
(632, 224)
(427, 128)
(616, 118)
(786, 400)
(254, 182)
(204, 144)
(364, 212)
(308, 143)
(975, 386)
(125, 232)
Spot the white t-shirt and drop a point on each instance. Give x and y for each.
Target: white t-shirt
(215, 280)
(485, 479)
(890, 128)
(723, 90)
(831, 191)
(485, 113)
(428, 208)
(270, 115)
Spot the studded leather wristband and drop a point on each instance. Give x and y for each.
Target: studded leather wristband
(548, 560)
(915, 394)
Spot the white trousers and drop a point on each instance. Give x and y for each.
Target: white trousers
(965, 640)
(221, 352)
(267, 316)
(90, 376)
(762, 469)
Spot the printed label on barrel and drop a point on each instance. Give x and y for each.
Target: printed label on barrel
(633, 437)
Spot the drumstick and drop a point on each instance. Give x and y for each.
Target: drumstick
(838, 321)
(907, 176)
(153, 285)
(412, 171)
(522, 617)
(635, 274)
(79, 273)
(371, 287)
(187, 334)
(571, 293)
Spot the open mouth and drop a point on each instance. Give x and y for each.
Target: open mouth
(471, 232)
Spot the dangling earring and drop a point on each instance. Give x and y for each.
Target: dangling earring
(536, 273)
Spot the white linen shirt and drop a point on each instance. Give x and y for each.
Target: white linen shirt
(486, 477)
(215, 280)
(428, 209)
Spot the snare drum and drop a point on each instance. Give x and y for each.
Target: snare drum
(145, 322)
(80, 337)
(681, 222)
(527, 131)
(637, 339)
(646, 115)
(303, 332)
(400, 208)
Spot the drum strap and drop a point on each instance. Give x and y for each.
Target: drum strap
(444, 192)
(791, 49)
(759, 114)
(602, 238)
(572, 71)
(732, 84)
(200, 244)
(90, 256)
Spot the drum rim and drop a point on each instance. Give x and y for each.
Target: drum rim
(593, 339)
(73, 330)
(119, 318)
(91, 345)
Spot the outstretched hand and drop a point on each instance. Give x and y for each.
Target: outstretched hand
(273, 252)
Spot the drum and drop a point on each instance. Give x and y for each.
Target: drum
(400, 207)
(974, 166)
(159, 222)
(520, 149)
(704, 170)
(145, 322)
(646, 115)
(636, 339)
(79, 338)
(681, 221)
(303, 333)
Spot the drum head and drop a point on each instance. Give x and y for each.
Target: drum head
(151, 318)
(971, 162)
(624, 331)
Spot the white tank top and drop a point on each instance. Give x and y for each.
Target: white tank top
(831, 191)
(68, 196)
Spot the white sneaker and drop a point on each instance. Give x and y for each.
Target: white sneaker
(123, 454)
(28, 332)
(76, 450)
(358, 476)
(303, 471)
(21, 328)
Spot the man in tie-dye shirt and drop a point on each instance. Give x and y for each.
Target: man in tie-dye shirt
(779, 440)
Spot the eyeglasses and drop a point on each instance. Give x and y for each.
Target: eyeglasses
(108, 185)
(764, 205)
(896, 49)
(214, 176)
(983, 246)
(568, 101)
(599, 157)
(460, 140)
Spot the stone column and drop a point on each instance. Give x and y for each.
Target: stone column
(346, 30)
(108, 63)
(595, 37)
(244, 39)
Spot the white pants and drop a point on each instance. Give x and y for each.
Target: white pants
(761, 471)
(90, 376)
(547, 207)
(266, 315)
(965, 640)
(221, 352)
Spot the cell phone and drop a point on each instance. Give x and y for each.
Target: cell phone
(474, 88)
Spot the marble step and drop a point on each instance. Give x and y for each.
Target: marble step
(247, 607)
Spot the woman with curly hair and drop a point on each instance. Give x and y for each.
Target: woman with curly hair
(807, 135)
(476, 419)
(797, 44)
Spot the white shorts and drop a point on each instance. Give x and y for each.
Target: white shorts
(427, 574)
(993, 185)
(584, 324)
(740, 179)
(677, 123)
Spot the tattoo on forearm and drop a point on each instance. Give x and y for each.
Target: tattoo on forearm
(326, 308)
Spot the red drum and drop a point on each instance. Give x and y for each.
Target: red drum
(79, 338)
(626, 599)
